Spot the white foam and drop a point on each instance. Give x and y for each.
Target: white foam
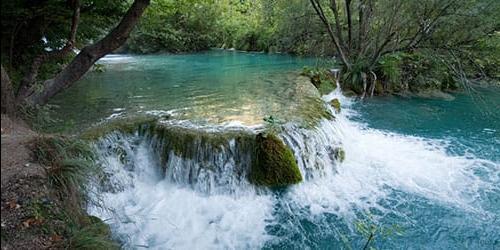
(379, 162)
(163, 216)
(148, 211)
(160, 215)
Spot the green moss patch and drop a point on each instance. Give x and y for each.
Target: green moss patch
(336, 104)
(339, 154)
(322, 79)
(274, 164)
(192, 143)
(311, 109)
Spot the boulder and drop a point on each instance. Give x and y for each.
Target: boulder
(274, 163)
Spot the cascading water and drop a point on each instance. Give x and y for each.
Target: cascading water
(186, 187)
(202, 199)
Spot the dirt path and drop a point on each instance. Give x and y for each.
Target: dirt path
(23, 184)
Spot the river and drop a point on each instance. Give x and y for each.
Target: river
(422, 173)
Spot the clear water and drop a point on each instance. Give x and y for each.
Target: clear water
(210, 87)
(429, 170)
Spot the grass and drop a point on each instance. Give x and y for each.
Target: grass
(94, 235)
(70, 164)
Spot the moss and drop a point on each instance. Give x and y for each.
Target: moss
(193, 143)
(313, 110)
(336, 104)
(310, 108)
(339, 154)
(322, 79)
(326, 86)
(124, 125)
(274, 164)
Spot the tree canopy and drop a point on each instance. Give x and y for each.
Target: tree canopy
(398, 44)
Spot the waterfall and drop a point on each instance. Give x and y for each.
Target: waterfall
(187, 188)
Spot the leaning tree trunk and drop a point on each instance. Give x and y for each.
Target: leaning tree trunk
(8, 99)
(30, 77)
(89, 55)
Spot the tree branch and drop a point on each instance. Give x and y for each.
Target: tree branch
(90, 54)
(349, 23)
(317, 7)
(30, 77)
(334, 8)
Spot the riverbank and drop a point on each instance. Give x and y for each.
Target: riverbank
(35, 213)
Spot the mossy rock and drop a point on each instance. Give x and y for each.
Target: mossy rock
(274, 164)
(190, 143)
(339, 154)
(336, 104)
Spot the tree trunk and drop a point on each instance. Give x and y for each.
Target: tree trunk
(349, 23)
(30, 77)
(8, 100)
(89, 55)
(334, 8)
(319, 11)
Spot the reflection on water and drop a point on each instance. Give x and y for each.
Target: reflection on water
(210, 87)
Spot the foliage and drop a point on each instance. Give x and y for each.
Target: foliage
(371, 230)
(369, 35)
(38, 117)
(400, 45)
(56, 221)
(390, 67)
(176, 26)
(257, 25)
(94, 235)
(321, 78)
(69, 165)
(30, 28)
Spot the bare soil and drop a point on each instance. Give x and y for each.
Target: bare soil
(24, 189)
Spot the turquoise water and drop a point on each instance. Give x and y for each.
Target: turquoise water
(471, 122)
(424, 172)
(210, 87)
(469, 126)
(445, 156)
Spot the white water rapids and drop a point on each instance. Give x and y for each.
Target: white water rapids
(152, 209)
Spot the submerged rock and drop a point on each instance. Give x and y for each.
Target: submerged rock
(274, 163)
(311, 109)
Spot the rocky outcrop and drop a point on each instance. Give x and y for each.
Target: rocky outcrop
(274, 163)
